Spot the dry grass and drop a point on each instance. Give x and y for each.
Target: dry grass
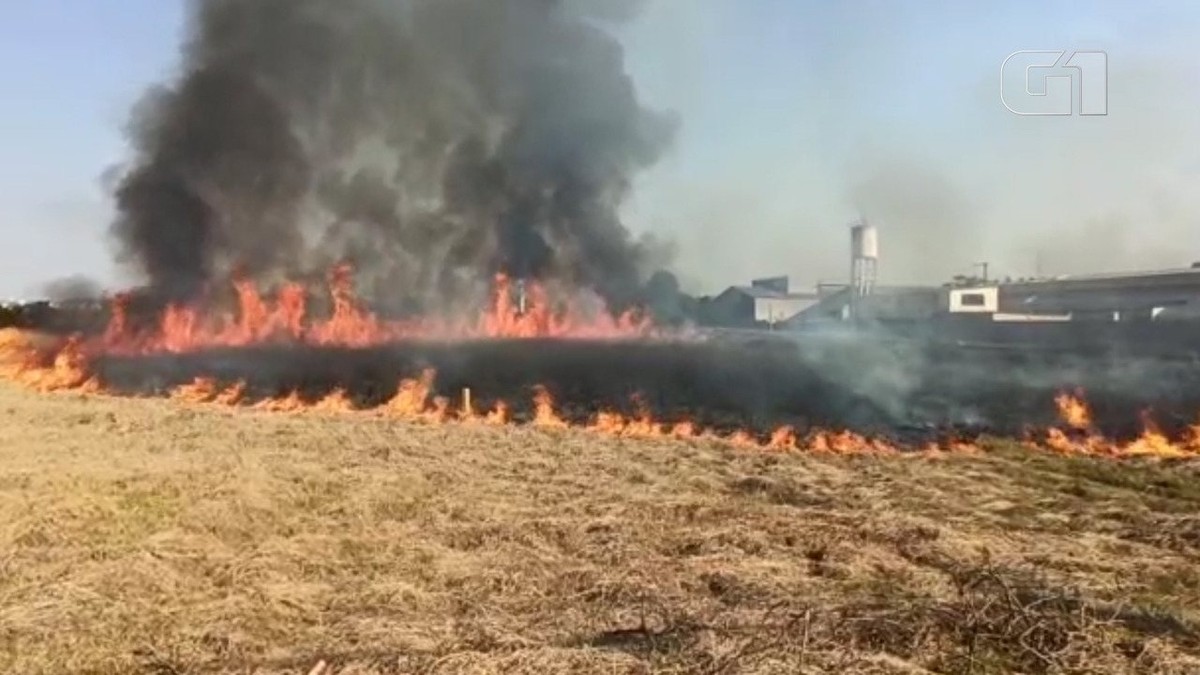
(139, 536)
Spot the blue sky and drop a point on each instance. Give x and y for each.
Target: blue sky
(796, 116)
(73, 69)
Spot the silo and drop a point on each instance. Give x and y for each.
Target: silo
(864, 256)
(864, 260)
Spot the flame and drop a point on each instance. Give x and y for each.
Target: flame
(1153, 443)
(499, 415)
(284, 317)
(231, 395)
(52, 364)
(1081, 437)
(784, 438)
(207, 390)
(742, 439)
(67, 368)
(46, 365)
(439, 413)
(543, 410)
(412, 396)
(412, 401)
(1191, 438)
(846, 442)
(607, 422)
(289, 403)
(200, 390)
(683, 430)
(335, 401)
(1073, 411)
(643, 425)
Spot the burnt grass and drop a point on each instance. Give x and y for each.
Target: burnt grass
(905, 391)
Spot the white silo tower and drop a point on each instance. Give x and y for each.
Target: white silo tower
(864, 261)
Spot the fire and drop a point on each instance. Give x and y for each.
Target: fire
(1153, 443)
(499, 415)
(440, 412)
(200, 390)
(1081, 437)
(784, 438)
(52, 364)
(544, 414)
(289, 403)
(414, 401)
(284, 316)
(1073, 411)
(643, 425)
(335, 401)
(847, 442)
(412, 396)
(231, 395)
(1191, 438)
(683, 430)
(742, 439)
(608, 423)
(43, 365)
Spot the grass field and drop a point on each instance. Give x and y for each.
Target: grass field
(146, 537)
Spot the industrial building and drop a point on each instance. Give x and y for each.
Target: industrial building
(973, 308)
(1143, 296)
(765, 303)
(894, 304)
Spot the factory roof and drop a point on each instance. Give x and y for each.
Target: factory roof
(884, 302)
(758, 292)
(1183, 273)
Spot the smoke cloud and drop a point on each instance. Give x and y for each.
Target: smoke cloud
(430, 143)
(74, 287)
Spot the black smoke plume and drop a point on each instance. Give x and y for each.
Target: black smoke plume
(431, 143)
(74, 288)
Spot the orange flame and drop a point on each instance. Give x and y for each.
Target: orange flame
(262, 319)
(499, 415)
(68, 369)
(439, 413)
(61, 365)
(1191, 438)
(1087, 441)
(846, 442)
(683, 430)
(47, 364)
(200, 390)
(231, 395)
(1073, 411)
(1152, 442)
(412, 396)
(289, 403)
(543, 410)
(335, 401)
(784, 438)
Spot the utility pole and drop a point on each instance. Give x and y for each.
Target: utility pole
(984, 266)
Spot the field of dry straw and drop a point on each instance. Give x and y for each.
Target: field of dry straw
(144, 536)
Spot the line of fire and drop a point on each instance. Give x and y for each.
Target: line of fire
(1090, 364)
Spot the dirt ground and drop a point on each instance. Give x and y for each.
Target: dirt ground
(143, 536)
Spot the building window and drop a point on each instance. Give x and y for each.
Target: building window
(973, 300)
